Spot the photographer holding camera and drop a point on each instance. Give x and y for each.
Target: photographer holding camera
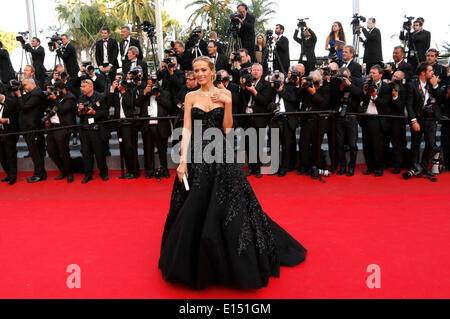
(31, 111)
(247, 30)
(373, 53)
(122, 97)
(68, 54)
(308, 41)
(38, 56)
(62, 105)
(238, 61)
(195, 43)
(423, 105)
(348, 100)
(285, 99)
(88, 71)
(106, 53)
(397, 131)
(376, 99)
(155, 102)
(9, 123)
(316, 97)
(418, 41)
(223, 82)
(184, 57)
(92, 109)
(6, 69)
(256, 95)
(132, 65)
(172, 77)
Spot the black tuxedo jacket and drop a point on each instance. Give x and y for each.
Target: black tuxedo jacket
(356, 69)
(397, 107)
(415, 100)
(247, 33)
(406, 68)
(373, 50)
(317, 102)
(31, 108)
(221, 63)
(164, 109)
(260, 102)
(99, 104)
(133, 43)
(172, 83)
(383, 100)
(69, 56)
(126, 67)
(290, 96)
(11, 112)
(441, 72)
(66, 108)
(38, 56)
(6, 69)
(282, 48)
(113, 52)
(128, 103)
(420, 44)
(309, 46)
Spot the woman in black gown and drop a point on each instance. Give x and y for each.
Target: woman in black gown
(217, 233)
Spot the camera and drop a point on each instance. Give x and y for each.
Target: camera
(339, 79)
(237, 57)
(326, 70)
(369, 85)
(53, 90)
(428, 109)
(195, 35)
(20, 39)
(63, 75)
(156, 89)
(276, 80)
(169, 63)
(416, 171)
(86, 106)
(218, 80)
(309, 82)
(171, 51)
(148, 28)
(356, 23)
(269, 37)
(15, 85)
(275, 109)
(333, 55)
(295, 75)
(89, 67)
(316, 173)
(345, 102)
(56, 38)
(301, 23)
(135, 74)
(397, 84)
(246, 74)
(49, 112)
(408, 23)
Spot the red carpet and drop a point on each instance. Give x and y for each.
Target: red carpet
(112, 231)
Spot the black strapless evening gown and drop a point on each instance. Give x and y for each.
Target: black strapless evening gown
(217, 233)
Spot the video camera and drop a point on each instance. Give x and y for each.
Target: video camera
(301, 22)
(356, 23)
(148, 28)
(56, 38)
(408, 23)
(20, 38)
(246, 74)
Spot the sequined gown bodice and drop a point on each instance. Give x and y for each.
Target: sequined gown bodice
(217, 233)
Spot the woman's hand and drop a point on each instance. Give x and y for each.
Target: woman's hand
(181, 171)
(221, 97)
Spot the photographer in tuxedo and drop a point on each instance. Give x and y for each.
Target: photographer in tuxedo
(423, 105)
(9, 123)
(397, 131)
(316, 97)
(38, 56)
(348, 101)
(247, 31)
(62, 106)
(400, 64)
(31, 111)
(285, 100)
(134, 62)
(195, 43)
(128, 42)
(184, 58)
(419, 43)
(123, 97)
(373, 53)
(256, 95)
(154, 102)
(237, 63)
(92, 109)
(172, 77)
(308, 41)
(68, 54)
(220, 60)
(213, 37)
(281, 60)
(6, 69)
(376, 99)
(106, 53)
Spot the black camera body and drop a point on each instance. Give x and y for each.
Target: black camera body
(346, 100)
(356, 23)
(427, 111)
(408, 23)
(53, 90)
(20, 39)
(169, 63)
(148, 28)
(369, 85)
(309, 82)
(218, 79)
(246, 74)
(49, 113)
(89, 67)
(56, 38)
(237, 57)
(302, 23)
(86, 106)
(276, 80)
(295, 75)
(339, 78)
(15, 85)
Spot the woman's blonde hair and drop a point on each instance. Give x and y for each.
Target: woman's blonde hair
(264, 40)
(209, 62)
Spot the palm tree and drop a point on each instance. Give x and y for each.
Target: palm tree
(208, 10)
(262, 10)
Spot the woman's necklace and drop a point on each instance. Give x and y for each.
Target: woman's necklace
(206, 94)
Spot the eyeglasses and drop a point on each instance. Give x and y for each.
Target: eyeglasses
(190, 79)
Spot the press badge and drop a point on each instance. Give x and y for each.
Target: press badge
(91, 120)
(152, 122)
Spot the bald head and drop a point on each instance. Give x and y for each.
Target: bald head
(300, 68)
(28, 84)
